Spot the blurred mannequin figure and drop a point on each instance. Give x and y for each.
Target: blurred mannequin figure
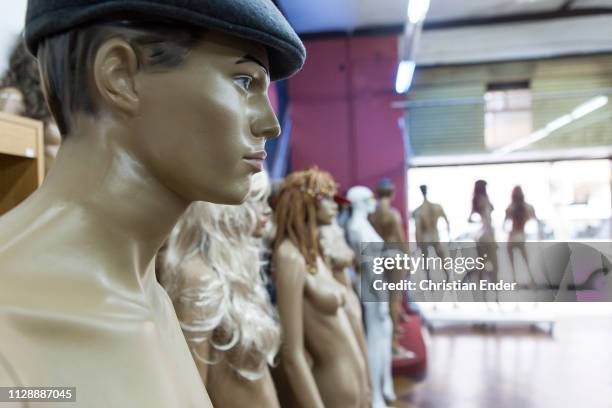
(341, 257)
(21, 94)
(320, 355)
(487, 247)
(379, 327)
(220, 298)
(387, 221)
(426, 218)
(426, 222)
(519, 212)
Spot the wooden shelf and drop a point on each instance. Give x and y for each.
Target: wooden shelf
(22, 159)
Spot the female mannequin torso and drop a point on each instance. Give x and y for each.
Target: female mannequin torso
(220, 377)
(320, 354)
(337, 362)
(210, 270)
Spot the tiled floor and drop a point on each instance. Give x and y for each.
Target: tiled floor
(519, 368)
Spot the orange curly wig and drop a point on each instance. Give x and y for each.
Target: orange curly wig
(296, 211)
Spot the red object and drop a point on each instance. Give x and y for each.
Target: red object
(412, 339)
(342, 115)
(340, 199)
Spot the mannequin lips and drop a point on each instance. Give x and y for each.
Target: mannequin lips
(256, 160)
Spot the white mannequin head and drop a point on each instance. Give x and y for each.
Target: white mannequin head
(362, 199)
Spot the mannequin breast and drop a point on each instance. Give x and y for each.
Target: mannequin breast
(329, 340)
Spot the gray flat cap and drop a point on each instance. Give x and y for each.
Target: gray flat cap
(257, 20)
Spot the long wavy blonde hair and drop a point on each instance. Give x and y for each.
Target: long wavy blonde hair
(229, 306)
(296, 211)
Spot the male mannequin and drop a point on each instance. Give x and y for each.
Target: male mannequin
(379, 330)
(426, 218)
(153, 117)
(387, 222)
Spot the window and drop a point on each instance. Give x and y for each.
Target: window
(507, 113)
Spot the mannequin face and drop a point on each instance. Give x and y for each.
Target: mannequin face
(327, 210)
(201, 128)
(370, 204)
(263, 213)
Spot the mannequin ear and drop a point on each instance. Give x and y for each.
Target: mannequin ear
(115, 68)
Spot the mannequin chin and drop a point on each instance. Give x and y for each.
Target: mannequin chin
(327, 210)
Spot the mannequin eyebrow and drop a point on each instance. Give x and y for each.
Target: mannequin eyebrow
(250, 58)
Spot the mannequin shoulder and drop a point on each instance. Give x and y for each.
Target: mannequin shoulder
(395, 215)
(290, 265)
(288, 252)
(195, 270)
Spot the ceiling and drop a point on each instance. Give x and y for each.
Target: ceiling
(315, 16)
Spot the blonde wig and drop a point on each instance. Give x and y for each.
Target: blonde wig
(296, 211)
(229, 306)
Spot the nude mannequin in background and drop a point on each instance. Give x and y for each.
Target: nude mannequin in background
(310, 300)
(379, 327)
(487, 247)
(221, 300)
(519, 213)
(426, 218)
(79, 303)
(341, 257)
(387, 221)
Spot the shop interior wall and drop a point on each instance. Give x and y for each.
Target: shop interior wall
(341, 110)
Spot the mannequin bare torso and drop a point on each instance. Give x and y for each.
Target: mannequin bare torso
(328, 337)
(341, 256)
(387, 222)
(50, 343)
(244, 393)
(221, 376)
(426, 218)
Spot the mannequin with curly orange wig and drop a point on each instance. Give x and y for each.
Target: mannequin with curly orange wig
(309, 300)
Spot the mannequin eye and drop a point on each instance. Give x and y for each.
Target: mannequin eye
(244, 81)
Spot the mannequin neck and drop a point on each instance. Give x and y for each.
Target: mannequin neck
(386, 201)
(124, 213)
(360, 212)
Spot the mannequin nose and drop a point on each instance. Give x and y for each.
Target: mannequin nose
(266, 124)
(268, 129)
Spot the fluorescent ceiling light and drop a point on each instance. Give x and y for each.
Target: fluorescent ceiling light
(405, 73)
(589, 106)
(582, 110)
(417, 10)
(559, 123)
